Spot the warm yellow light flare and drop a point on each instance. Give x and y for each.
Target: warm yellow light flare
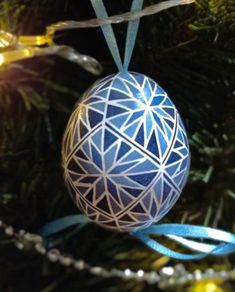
(1, 59)
(207, 286)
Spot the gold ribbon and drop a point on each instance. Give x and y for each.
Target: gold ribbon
(14, 49)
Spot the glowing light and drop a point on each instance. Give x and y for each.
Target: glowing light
(26, 53)
(140, 273)
(169, 271)
(1, 59)
(127, 272)
(206, 286)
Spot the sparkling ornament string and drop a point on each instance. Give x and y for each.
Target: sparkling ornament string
(116, 19)
(166, 277)
(24, 47)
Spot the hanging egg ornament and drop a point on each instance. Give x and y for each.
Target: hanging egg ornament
(125, 152)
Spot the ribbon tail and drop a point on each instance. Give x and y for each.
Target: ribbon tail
(62, 224)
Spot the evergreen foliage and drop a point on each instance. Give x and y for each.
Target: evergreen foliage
(190, 52)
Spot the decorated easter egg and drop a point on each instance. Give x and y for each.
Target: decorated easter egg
(125, 152)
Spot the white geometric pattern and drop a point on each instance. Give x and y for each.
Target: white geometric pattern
(125, 152)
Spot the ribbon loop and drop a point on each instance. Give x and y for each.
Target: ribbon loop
(225, 241)
(107, 29)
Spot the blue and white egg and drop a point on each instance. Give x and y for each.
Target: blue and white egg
(125, 152)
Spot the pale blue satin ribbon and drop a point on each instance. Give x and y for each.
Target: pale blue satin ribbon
(107, 29)
(180, 233)
(61, 224)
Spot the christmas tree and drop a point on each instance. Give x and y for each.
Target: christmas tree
(189, 51)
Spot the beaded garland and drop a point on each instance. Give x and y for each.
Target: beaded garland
(125, 152)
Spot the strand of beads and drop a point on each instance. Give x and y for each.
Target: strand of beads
(168, 276)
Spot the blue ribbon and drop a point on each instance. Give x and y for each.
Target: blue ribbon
(101, 12)
(62, 224)
(107, 29)
(180, 233)
(132, 33)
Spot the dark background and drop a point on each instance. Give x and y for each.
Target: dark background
(189, 51)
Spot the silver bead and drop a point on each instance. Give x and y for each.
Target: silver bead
(53, 255)
(117, 273)
(96, 270)
(189, 277)
(66, 261)
(127, 273)
(224, 275)
(33, 238)
(179, 268)
(40, 248)
(153, 278)
(19, 245)
(209, 272)
(168, 271)
(198, 274)
(140, 273)
(79, 265)
(22, 232)
(171, 281)
(9, 230)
